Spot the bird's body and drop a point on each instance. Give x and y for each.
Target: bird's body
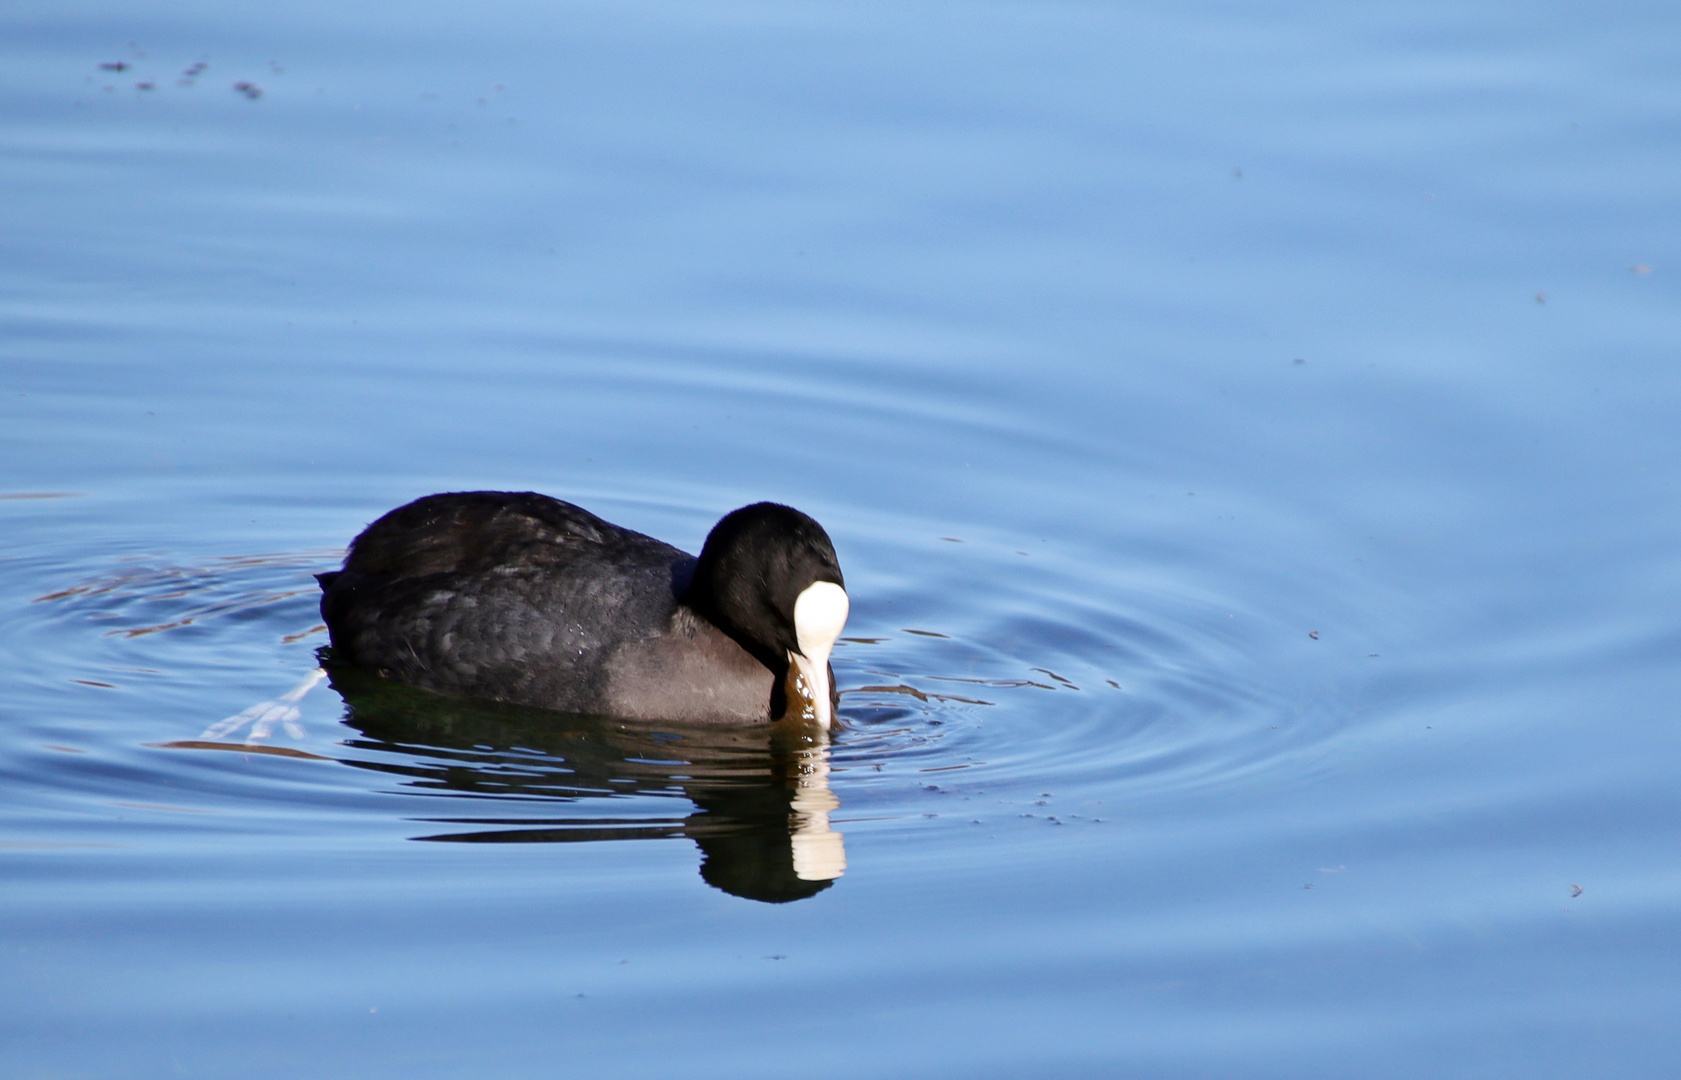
(519, 597)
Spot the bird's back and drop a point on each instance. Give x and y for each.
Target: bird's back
(508, 596)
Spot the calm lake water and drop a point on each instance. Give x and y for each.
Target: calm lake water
(1252, 437)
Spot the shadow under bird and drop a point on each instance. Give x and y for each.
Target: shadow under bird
(518, 597)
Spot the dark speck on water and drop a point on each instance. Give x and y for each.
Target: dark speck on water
(995, 280)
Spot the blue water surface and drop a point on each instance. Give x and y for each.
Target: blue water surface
(1249, 433)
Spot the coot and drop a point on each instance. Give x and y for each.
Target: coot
(519, 597)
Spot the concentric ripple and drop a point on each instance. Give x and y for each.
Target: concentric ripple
(1056, 681)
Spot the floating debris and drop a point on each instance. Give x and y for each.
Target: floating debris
(899, 689)
(1057, 677)
(920, 695)
(240, 748)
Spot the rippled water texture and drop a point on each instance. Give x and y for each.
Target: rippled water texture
(1249, 434)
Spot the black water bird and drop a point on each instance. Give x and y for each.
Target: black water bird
(522, 598)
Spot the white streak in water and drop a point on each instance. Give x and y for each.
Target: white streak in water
(265, 714)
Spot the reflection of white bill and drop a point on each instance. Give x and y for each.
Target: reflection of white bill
(819, 851)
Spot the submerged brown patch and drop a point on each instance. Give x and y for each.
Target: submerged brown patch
(801, 705)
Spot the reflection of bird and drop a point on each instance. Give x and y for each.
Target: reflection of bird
(761, 794)
(526, 599)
